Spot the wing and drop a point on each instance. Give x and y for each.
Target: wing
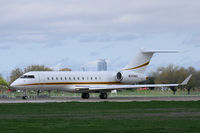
(93, 88)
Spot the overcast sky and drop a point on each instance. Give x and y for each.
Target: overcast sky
(76, 33)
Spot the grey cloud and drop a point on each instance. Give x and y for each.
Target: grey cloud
(197, 46)
(53, 44)
(127, 37)
(29, 38)
(5, 47)
(109, 37)
(53, 22)
(23, 38)
(95, 38)
(87, 38)
(94, 53)
(99, 16)
(58, 39)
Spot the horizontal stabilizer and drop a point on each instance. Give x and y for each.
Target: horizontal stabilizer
(159, 51)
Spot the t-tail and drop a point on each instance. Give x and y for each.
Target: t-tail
(142, 60)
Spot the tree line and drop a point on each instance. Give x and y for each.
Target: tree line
(163, 75)
(3, 83)
(175, 74)
(17, 72)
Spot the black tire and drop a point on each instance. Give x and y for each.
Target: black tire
(103, 96)
(85, 95)
(25, 97)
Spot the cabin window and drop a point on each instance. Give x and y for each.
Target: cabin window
(52, 78)
(56, 78)
(47, 78)
(82, 78)
(78, 78)
(69, 78)
(95, 78)
(60, 78)
(65, 78)
(74, 78)
(91, 78)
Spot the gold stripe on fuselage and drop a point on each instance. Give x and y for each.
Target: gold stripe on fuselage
(74, 83)
(145, 64)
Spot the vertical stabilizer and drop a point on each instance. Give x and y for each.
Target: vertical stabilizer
(142, 60)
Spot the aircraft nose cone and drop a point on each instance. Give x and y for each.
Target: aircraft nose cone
(13, 85)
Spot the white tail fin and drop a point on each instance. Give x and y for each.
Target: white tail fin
(142, 59)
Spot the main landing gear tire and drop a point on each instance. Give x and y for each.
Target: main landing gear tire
(103, 96)
(25, 97)
(85, 95)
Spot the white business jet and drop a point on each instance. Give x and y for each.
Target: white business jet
(92, 82)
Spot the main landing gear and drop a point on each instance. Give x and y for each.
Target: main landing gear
(85, 95)
(102, 95)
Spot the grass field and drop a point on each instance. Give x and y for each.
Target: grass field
(119, 93)
(128, 117)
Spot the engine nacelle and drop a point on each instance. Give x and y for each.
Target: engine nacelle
(130, 77)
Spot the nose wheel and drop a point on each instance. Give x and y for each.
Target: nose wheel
(103, 96)
(24, 97)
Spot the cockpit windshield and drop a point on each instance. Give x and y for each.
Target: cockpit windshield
(28, 76)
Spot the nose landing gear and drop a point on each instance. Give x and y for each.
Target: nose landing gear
(25, 95)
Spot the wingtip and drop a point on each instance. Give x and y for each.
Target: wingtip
(185, 82)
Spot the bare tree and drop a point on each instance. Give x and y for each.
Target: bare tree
(175, 74)
(65, 69)
(37, 68)
(16, 73)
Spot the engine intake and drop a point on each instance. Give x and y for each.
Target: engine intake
(130, 77)
(119, 76)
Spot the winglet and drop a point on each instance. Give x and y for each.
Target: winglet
(186, 80)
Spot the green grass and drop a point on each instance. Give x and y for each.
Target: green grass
(157, 93)
(119, 93)
(112, 117)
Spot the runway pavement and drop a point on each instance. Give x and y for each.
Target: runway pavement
(96, 99)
